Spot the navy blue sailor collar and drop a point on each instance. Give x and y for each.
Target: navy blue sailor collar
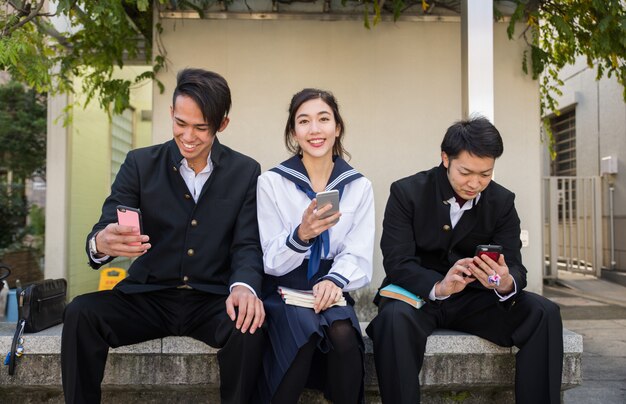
(341, 175)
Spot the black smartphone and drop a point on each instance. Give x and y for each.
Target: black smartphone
(127, 216)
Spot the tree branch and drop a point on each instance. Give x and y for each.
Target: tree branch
(53, 33)
(32, 14)
(29, 12)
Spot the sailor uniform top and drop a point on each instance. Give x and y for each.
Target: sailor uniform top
(283, 194)
(343, 255)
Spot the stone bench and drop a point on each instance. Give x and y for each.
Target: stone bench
(457, 367)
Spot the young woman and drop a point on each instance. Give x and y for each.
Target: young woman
(319, 347)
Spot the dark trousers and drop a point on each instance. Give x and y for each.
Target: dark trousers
(96, 321)
(531, 322)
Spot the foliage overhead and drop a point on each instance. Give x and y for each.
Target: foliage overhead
(46, 48)
(108, 33)
(559, 32)
(22, 131)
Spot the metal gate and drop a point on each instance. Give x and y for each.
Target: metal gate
(572, 225)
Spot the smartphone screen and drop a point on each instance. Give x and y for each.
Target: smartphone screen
(328, 197)
(127, 216)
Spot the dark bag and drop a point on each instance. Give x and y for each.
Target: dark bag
(40, 306)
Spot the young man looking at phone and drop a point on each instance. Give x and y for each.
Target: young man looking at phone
(433, 223)
(198, 266)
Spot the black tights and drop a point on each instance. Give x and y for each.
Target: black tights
(344, 367)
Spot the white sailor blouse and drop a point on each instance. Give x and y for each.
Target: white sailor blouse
(284, 193)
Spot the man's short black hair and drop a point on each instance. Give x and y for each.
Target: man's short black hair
(209, 90)
(475, 135)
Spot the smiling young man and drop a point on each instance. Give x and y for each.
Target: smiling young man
(198, 267)
(434, 220)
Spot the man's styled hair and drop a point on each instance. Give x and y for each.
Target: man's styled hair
(209, 90)
(475, 135)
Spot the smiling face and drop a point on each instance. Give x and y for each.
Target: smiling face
(468, 174)
(192, 133)
(315, 129)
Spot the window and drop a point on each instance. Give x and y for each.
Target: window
(121, 139)
(564, 132)
(564, 164)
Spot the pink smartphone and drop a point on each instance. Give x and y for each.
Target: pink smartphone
(127, 216)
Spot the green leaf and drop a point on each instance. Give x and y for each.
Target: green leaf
(562, 27)
(539, 58)
(516, 17)
(366, 17)
(143, 5)
(376, 12)
(193, 6)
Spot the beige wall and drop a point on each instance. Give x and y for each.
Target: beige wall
(519, 168)
(398, 85)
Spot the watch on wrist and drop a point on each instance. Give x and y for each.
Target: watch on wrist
(93, 248)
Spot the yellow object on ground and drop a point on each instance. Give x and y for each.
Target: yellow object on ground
(109, 277)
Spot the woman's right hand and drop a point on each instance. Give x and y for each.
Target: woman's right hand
(311, 225)
(326, 294)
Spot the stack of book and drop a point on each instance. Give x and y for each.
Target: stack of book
(302, 298)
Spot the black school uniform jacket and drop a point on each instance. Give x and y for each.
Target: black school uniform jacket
(419, 244)
(208, 245)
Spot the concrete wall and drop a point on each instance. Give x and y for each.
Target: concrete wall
(398, 85)
(75, 198)
(600, 131)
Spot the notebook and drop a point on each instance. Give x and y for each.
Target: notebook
(396, 292)
(302, 298)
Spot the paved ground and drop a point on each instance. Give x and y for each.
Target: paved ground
(596, 309)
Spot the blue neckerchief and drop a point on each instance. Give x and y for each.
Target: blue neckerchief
(342, 174)
(321, 242)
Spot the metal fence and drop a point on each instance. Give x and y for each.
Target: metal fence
(572, 217)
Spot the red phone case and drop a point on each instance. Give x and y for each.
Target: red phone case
(492, 251)
(494, 255)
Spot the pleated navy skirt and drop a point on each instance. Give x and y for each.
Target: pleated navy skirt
(290, 327)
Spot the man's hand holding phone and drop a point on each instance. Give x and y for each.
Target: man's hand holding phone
(489, 267)
(123, 239)
(117, 240)
(456, 279)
